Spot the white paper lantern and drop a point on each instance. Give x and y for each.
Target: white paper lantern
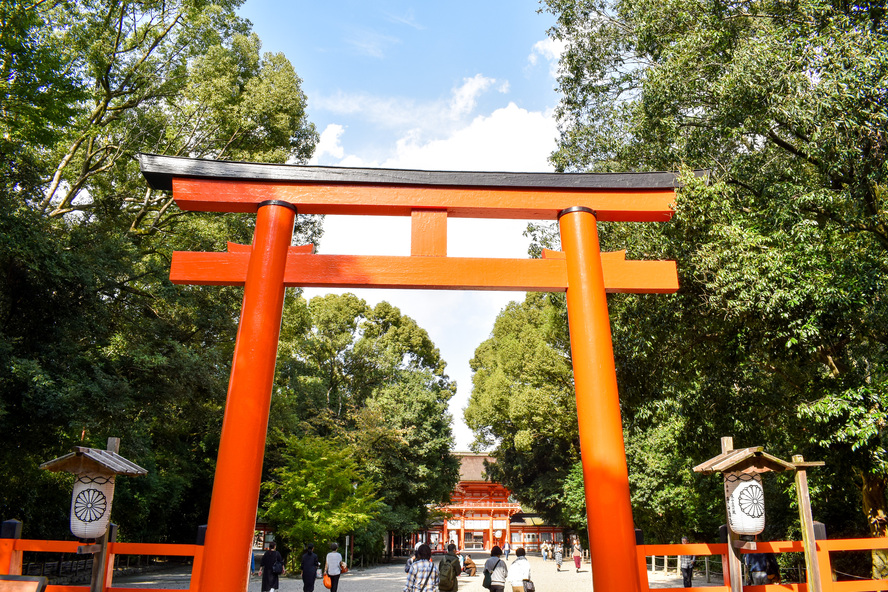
(91, 505)
(745, 499)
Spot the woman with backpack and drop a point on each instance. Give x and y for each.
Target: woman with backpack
(578, 555)
(270, 564)
(423, 575)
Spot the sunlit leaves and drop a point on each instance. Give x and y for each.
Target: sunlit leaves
(320, 494)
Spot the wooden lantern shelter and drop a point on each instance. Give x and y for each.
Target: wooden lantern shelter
(276, 192)
(750, 463)
(93, 494)
(96, 471)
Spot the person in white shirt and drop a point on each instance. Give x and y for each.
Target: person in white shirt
(519, 571)
(333, 566)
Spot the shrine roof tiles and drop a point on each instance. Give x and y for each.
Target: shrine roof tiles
(472, 466)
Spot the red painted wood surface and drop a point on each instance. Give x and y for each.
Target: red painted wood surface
(629, 205)
(605, 473)
(431, 273)
(244, 428)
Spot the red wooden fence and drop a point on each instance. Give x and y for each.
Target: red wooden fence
(11, 561)
(824, 547)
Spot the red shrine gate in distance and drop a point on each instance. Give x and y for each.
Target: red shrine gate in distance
(270, 264)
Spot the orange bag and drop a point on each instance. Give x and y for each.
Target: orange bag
(328, 583)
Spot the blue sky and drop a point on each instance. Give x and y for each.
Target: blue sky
(434, 85)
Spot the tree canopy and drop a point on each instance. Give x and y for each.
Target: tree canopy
(368, 379)
(777, 334)
(94, 340)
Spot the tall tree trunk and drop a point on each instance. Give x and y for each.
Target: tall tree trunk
(873, 490)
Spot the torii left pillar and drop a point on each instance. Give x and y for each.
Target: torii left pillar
(242, 444)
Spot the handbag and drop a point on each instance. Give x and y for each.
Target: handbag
(343, 567)
(528, 586)
(328, 583)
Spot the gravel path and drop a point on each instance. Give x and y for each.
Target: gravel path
(391, 578)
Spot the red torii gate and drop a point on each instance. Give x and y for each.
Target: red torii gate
(577, 201)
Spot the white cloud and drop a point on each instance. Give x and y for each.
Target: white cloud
(435, 117)
(550, 50)
(509, 139)
(329, 143)
(465, 97)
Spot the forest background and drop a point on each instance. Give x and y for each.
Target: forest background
(777, 337)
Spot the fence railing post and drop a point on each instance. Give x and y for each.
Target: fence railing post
(823, 561)
(197, 564)
(10, 558)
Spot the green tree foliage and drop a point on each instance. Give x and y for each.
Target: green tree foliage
(777, 335)
(523, 401)
(94, 340)
(370, 380)
(319, 494)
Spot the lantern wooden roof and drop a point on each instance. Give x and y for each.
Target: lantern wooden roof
(745, 460)
(93, 460)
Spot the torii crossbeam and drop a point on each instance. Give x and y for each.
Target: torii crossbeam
(265, 268)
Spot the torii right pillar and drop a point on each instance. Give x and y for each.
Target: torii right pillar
(605, 473)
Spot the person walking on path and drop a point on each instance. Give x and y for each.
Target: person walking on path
(758, 568)
(559, 556)
(520, 570)
(507, 548)
(412, 558)
(499, 571)
(423, 575)
(578, 555)
(310, 565)
(449, 569)
(686, 562)
(270, 581)
(333, 566)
